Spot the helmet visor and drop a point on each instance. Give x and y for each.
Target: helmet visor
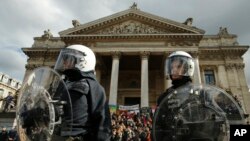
(67, 59)
(179, 66)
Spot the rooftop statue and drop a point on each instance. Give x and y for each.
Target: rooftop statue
(75, 23)
(47, 34)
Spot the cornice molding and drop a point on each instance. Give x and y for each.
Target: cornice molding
(172, 39)
(8, 86)
(41, 51)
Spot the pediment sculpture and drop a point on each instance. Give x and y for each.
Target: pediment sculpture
(132, 27)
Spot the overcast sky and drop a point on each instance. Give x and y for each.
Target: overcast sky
(21, 20)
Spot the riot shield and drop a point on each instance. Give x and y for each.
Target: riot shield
(196, 112)
(40, 108)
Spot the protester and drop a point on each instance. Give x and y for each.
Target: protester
(8, 102)
(13, 136)
(4, 134)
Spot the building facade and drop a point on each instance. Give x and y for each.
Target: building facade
(8, 86)
(131, 47)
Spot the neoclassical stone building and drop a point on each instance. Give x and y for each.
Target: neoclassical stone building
(8, 85)
(131, 47)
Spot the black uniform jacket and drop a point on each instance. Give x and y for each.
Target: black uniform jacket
(90, 112)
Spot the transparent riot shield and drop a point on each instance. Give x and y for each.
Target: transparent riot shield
(196, 112)
(40, 107)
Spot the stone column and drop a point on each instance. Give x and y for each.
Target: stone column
(167, 82)
(29, 69)
(245, 102)
(98, 75)
(197, 75)
(233, 81)
(237, 70)
(223, 82)
(203, 75)
(144, 79)
(114, 79)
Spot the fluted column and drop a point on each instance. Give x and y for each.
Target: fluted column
(29, 69)
(144, 79)
(114, 79)
(223, 81)
(197, 75)
(98, 75)
(167, 83)
(167, 80)
(245, 94)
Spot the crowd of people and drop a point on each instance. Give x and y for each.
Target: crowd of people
(131, 127)
(125, 127)
(9, 135)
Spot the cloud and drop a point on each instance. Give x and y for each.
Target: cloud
(13, 63)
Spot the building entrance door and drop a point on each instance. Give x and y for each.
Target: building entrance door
(132, 101)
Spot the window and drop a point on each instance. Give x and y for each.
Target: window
(9, 82)
(1, 77)
(209, 77)
(16, 86)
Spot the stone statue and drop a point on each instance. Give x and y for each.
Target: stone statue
(47, 34)
(223, 31)
(188, 21)
(134, 6)
(75, 23)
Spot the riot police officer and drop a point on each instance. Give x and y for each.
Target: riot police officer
(190, 112)
(90, 116)
(179, 67)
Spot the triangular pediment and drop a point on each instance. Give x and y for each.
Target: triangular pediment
(131, 21)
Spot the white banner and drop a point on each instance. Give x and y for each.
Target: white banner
(129, 108)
